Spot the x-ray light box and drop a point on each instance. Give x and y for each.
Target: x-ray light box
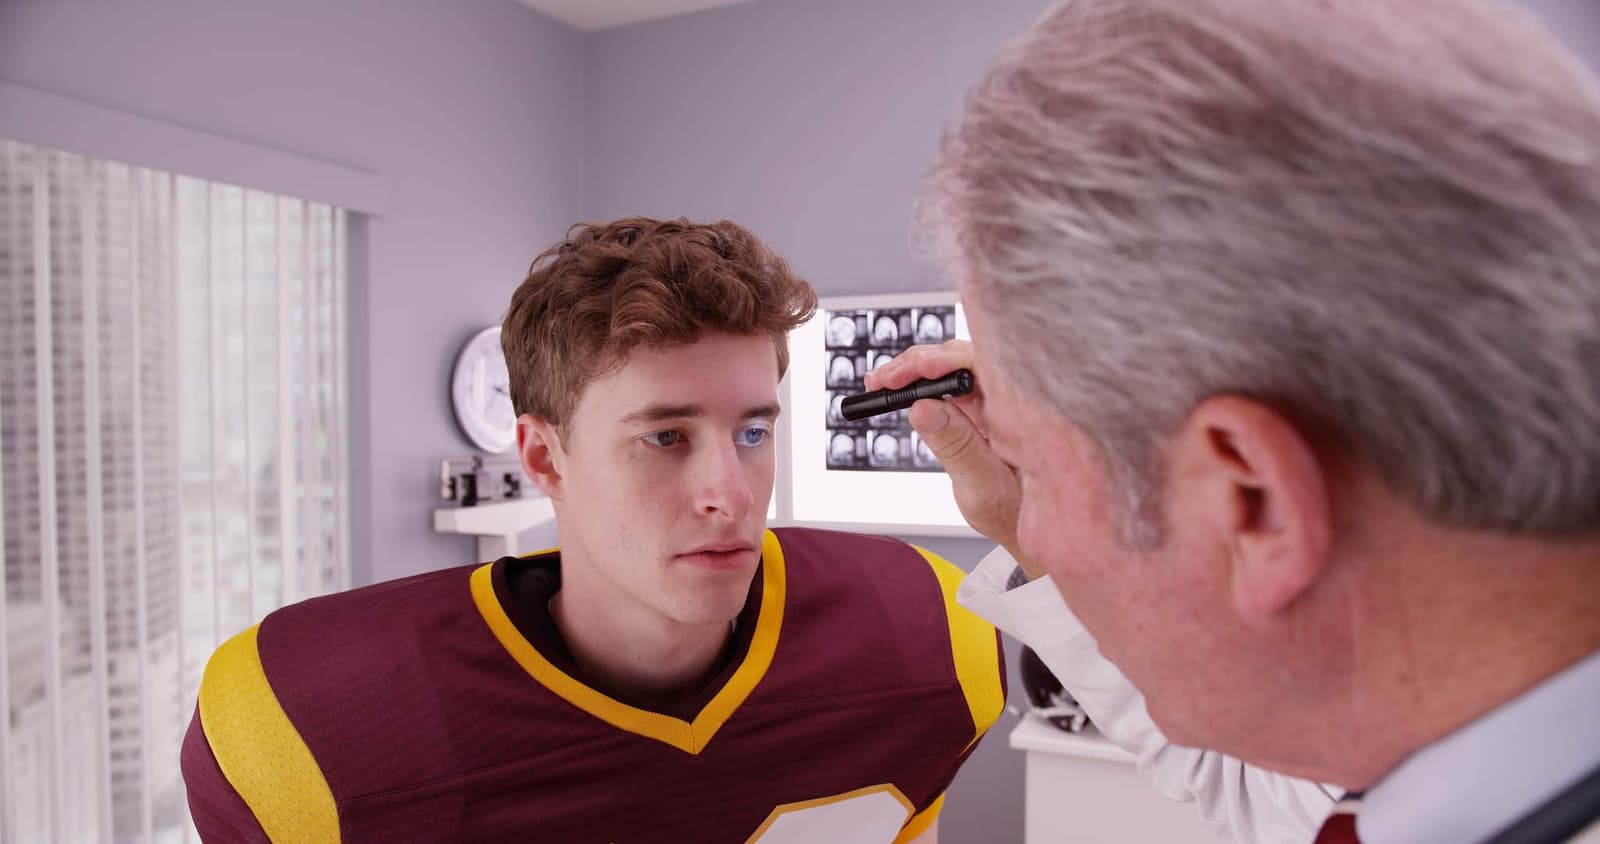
(874, 475)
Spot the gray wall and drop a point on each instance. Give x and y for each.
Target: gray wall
(470, 112)
(810, 121)
(1577, 22)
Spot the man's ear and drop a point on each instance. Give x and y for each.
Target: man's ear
(1263, 485)
(541, 452)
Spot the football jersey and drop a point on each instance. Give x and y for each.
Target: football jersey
(422, 710)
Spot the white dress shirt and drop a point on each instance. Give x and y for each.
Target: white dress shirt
(1255, 805)
(1485, 776)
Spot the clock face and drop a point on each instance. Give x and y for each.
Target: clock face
(480, 392)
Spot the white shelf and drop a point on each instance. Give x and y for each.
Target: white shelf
(494, 519)
(1034, 734)
(496, 524)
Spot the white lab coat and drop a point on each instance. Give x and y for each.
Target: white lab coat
(1257, 806)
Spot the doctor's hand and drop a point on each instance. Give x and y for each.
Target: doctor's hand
(986, 489)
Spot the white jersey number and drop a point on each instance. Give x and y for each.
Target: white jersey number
(873, 815)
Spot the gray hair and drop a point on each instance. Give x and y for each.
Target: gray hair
(1380, 217)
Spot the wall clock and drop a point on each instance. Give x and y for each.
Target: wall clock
(480, 393)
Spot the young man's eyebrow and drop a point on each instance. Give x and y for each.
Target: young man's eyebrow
(664, 412)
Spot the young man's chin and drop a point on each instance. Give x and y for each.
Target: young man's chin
(711, 612)
(710, 599)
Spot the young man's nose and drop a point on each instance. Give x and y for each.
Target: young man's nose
(723, 484)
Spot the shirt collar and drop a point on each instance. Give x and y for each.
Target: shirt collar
(1488, 774)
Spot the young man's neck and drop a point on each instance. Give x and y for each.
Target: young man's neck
(631, 651)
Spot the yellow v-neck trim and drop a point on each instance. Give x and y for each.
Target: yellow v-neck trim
(689, 736)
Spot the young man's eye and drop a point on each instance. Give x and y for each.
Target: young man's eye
(754, 435)
(664, 439)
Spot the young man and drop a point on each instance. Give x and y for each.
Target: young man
(675, 672)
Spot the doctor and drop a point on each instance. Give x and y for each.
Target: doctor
(1285, 319)
(1253, 804)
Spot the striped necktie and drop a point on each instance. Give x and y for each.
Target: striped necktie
(1340, 827)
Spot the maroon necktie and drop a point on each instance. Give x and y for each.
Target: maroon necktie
(1340, 827)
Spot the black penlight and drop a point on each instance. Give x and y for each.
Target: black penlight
(878, 402)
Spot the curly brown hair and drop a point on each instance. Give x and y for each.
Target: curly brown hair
(609, 288)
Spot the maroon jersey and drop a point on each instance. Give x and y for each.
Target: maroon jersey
(423, 710)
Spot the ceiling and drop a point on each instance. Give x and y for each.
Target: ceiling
(590, 15)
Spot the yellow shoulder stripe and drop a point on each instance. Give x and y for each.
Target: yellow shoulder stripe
(259, 750)
(919, 824)
(972, 644)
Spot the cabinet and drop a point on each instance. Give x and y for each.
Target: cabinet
(1082, 789)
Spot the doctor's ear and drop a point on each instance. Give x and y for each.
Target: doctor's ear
(543, 458)
(1265, 491)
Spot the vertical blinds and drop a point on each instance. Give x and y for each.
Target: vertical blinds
(173, 444)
